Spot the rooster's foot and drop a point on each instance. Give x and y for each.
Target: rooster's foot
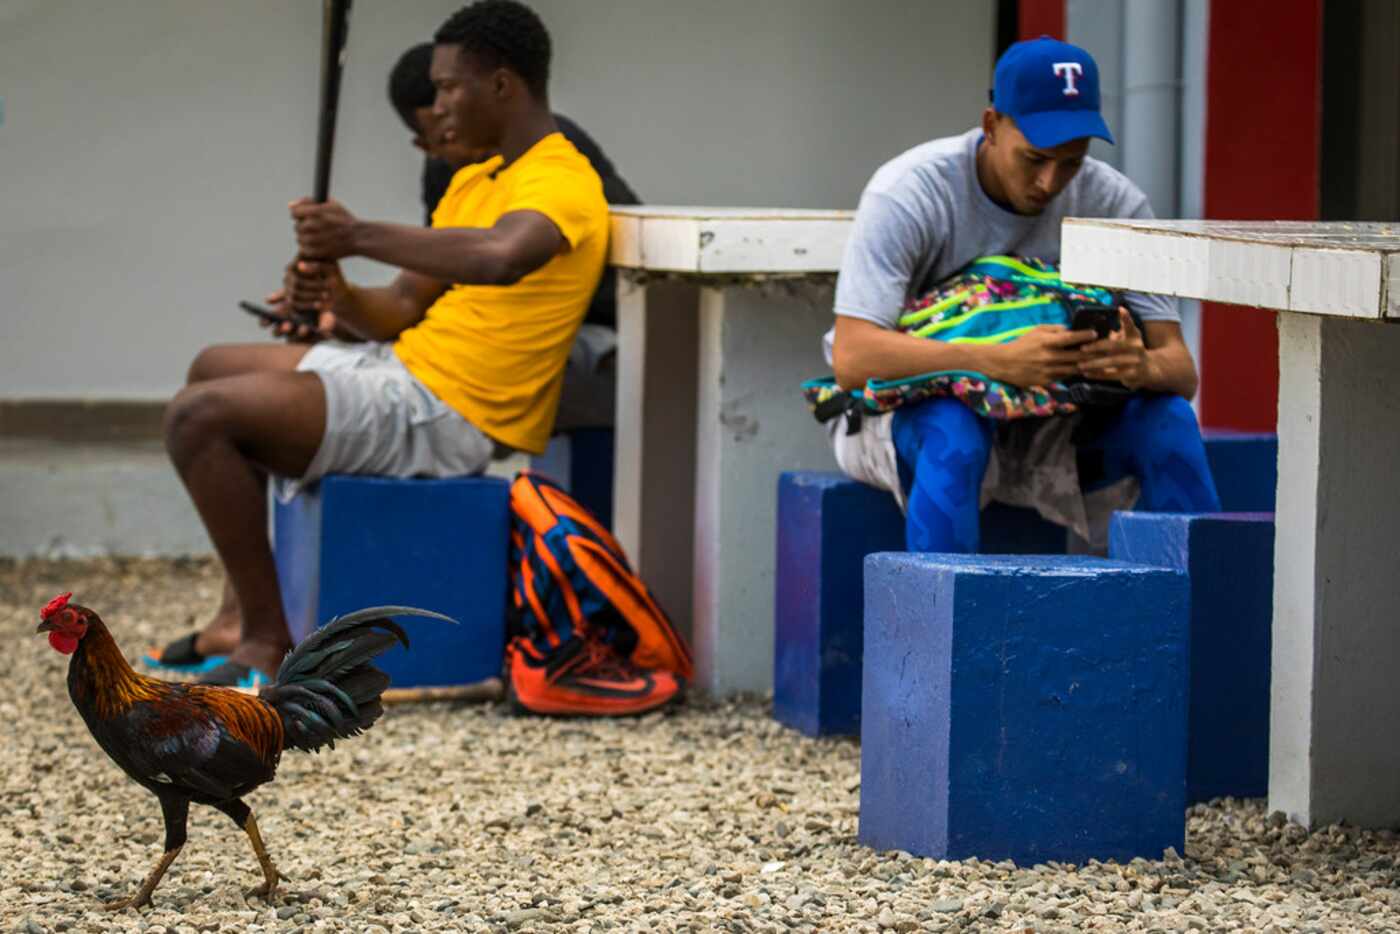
(267, 891)
(143, 894)
(121, 904)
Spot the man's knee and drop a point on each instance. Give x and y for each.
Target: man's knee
(197, 413)
(1167, 405)
(1162, 434)
(949, 426)
(1170, 418)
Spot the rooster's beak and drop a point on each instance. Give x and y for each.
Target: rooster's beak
(45, 626)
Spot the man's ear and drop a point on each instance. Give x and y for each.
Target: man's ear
(419, 142)
(504, 84)
(991, 123)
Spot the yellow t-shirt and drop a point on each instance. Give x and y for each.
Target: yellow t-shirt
(494, 353)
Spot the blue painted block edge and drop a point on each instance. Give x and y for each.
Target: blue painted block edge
(1229, 561)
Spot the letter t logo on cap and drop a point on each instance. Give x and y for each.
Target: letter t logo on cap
(1069, 71)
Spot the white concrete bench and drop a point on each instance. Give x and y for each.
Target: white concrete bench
(720, 315)
(1335, 696)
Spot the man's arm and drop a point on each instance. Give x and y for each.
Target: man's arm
(862, 350)
(518, 244)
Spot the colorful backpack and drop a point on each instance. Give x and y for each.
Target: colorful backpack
(571, 584)
(992, 300)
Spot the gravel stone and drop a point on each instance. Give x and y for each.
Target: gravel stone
(466, 818)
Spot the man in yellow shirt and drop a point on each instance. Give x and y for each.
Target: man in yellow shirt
(463, 354)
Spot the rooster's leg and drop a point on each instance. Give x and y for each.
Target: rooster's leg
(176, 812)
(243, 816)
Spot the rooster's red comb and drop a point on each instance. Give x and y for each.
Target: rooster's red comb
(54, 605)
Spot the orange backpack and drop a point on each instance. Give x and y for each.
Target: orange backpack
(570, 580)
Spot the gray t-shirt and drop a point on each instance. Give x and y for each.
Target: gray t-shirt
(924, 216)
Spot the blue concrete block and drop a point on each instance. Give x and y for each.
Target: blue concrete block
(827, 524)
(1024, 708)
(442, 545)
(1229, 559)
(1245, 467)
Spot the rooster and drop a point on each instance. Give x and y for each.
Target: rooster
(212, 745)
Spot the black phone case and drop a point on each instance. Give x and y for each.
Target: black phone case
(1100, 318)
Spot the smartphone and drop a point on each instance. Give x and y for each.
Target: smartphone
(261, 312)
(273, 318)
(1091, 316)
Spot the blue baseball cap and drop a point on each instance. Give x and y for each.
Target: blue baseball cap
(1051, 89)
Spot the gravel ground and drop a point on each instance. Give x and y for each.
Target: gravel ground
(467, 818)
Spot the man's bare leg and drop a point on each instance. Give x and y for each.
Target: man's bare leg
(221, 635)
(223, 360)
(224, 436)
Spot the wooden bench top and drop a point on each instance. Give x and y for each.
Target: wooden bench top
(729, 241)
(1348, 269)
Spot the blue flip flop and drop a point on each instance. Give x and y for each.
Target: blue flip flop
(234, 675)
(180, 655)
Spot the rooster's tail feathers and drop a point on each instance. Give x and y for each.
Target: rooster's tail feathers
(327, 687)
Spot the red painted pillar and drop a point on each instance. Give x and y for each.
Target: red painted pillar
(1262, 135)
(1041, 18)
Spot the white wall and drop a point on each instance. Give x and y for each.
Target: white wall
(149, 147)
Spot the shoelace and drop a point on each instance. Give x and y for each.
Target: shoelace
(601, 661)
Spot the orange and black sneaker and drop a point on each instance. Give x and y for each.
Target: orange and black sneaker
(585, 678)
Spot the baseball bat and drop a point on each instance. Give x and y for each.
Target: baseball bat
(491, 689)
(335, 30)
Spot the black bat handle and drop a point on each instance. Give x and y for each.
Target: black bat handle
(334, 32)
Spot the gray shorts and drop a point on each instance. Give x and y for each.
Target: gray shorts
(381, 420)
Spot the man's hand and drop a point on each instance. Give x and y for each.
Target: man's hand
(1121, 356)
(1038, 357)
(314, 284)
(294, 328)
(291, 327)
(324, 230)
(312, 288)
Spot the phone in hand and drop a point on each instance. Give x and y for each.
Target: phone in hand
(1091, 316)
(273, 318)
(261, 312)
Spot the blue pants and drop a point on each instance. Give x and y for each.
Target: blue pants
(943, 449)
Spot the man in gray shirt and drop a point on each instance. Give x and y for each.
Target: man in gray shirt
(1004, 188)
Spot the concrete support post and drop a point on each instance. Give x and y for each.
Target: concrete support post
(752, 426)
(1335, 699)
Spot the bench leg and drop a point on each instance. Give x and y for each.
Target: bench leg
(654, 466)
(1335, 695)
